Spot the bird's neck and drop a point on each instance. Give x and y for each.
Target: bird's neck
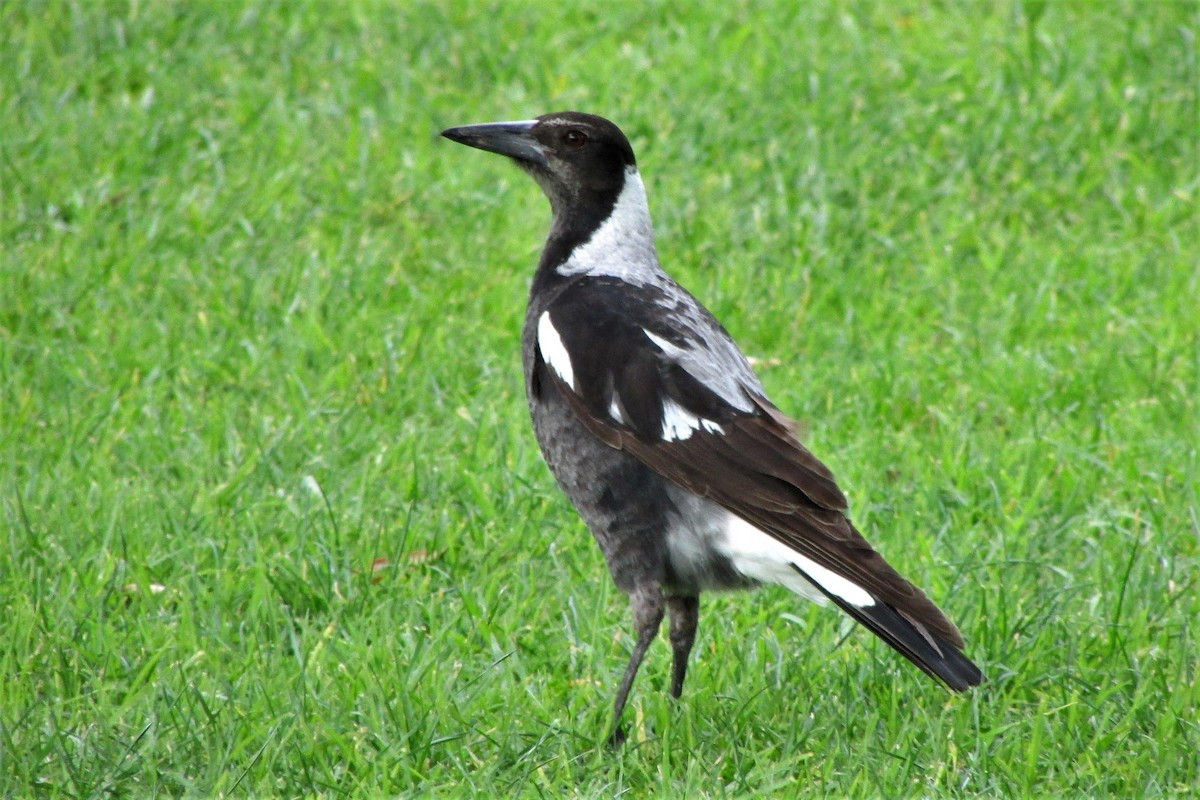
(611, 239)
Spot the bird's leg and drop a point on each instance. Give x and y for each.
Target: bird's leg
(685, 614)
(647, 603)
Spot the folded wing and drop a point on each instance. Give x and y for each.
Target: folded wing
(659, 378)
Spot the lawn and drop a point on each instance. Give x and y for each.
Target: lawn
(273, 519)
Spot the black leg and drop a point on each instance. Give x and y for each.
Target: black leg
(685, 614)
(647, 602)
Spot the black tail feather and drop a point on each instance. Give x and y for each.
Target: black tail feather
(936, 656)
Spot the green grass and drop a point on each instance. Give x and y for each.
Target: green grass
(273, 521)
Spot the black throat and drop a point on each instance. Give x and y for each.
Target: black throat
(575, 221)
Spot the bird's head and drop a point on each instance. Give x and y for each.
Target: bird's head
(579, 160)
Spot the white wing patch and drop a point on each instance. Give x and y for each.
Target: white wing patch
(553, 351)
(614, 409)
(672, 350)
(761, 556)
(679, 423)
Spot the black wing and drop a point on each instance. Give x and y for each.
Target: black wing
(652, 373)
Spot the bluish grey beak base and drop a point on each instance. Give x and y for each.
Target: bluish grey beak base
(512, 139)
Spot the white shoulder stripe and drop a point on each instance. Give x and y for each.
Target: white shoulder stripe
(716, 363)
(553, 351)
(761, 556)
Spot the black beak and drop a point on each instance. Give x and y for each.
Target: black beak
(512, 139)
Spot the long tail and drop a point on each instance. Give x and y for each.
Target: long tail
(933, 653)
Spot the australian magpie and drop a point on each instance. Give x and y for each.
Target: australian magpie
(660, 433)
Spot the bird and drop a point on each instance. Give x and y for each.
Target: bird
(662, 436)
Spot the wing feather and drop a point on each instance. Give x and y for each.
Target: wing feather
(751, 463)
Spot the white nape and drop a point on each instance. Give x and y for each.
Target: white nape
(553, 351)
(623, 246)
(679, 423)
(759, 555)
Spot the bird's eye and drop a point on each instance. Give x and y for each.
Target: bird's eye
(575, 138)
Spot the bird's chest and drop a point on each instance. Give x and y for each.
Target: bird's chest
(619, 498)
